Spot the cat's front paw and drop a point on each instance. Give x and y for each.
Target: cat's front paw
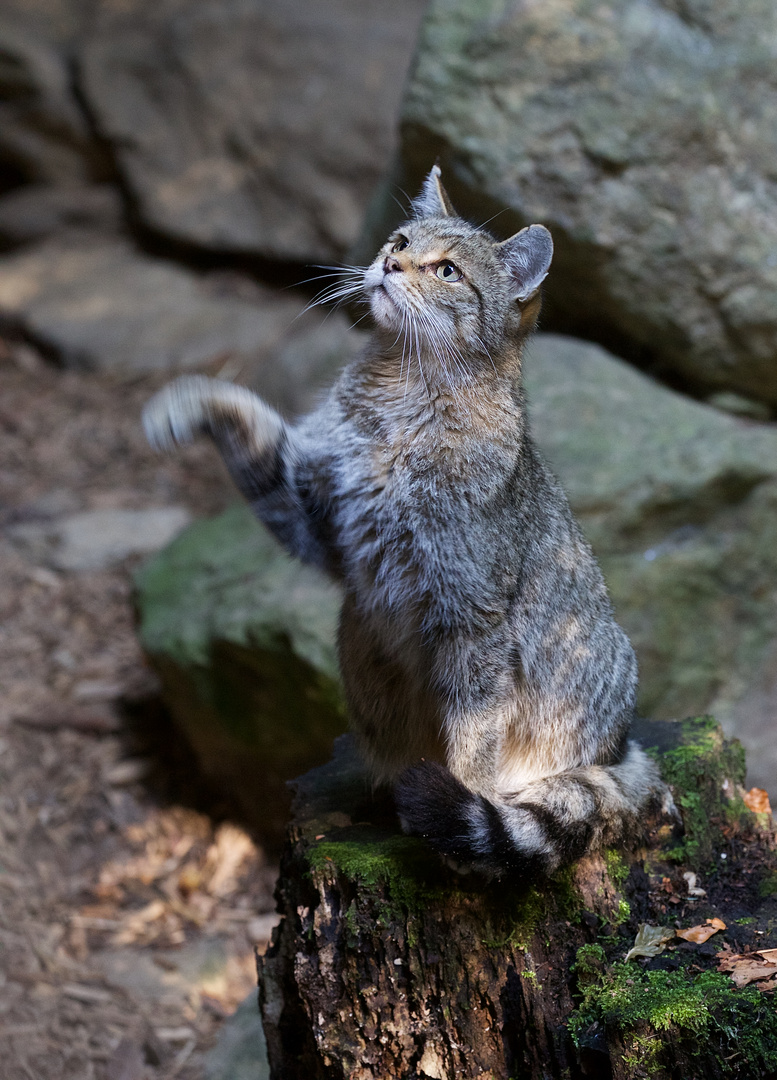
(195, 405)
(179, 412)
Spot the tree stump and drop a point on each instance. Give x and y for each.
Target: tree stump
(387, 965)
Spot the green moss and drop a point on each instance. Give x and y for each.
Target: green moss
(514, 926)
(702, 1009)
(768, 886)
(622, 913)
(566, 895)
(696, 769)
(397, 866)
(617, 868)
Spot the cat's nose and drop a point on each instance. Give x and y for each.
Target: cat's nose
(391, 265)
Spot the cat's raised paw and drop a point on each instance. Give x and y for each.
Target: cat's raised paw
(179, 413)
(195, 405)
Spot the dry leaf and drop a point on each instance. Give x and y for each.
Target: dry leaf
(757, 800)
(231, 848)
(745, 968)
(749, 970)
(650, 941)
(699, 934)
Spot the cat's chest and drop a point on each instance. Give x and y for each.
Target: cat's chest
(402, 518)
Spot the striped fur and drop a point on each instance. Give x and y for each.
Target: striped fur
(485, 674)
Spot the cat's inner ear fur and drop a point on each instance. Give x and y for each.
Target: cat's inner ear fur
(434, 200)
(526, 257)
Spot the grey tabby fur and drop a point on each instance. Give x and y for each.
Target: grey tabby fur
(485, 675)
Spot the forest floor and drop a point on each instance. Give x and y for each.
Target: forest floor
(130, 900)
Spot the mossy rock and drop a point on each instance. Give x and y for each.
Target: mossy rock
(244, 640)
(388, 964)
(679, 501)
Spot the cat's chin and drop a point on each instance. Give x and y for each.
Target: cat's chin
(384, 310)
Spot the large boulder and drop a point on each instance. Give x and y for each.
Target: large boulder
(44, 135)
(251, 126)
(644, 136)
(680, 503)
(243, 638)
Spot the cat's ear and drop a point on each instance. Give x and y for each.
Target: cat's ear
(526, 257)
(433, 200)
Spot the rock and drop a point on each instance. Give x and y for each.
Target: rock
(680, 503)
(97, 302)
(243, 638)
(44, 135)
(99, 539)
(36, 211)
(644, 136)
(252, 126)
(240, 1052)
(740, 406)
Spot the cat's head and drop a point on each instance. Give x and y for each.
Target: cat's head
(446, 285)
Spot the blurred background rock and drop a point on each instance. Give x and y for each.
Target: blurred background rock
(171, 175)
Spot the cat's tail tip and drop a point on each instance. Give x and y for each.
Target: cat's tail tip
(462, 827)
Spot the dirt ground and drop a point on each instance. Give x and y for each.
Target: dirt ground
(130, 902)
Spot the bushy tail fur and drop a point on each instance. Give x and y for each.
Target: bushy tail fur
(545, 824)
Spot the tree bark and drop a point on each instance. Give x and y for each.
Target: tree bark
(387, 965)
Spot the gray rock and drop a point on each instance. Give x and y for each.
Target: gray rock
(251, 125)
(240, 1052)
(97, 302)
(98, 539)
(43, 132)
(644, 135)
(244, 640)
(680, 503)
(36, 211)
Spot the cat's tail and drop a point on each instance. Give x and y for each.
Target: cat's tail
(547, 823)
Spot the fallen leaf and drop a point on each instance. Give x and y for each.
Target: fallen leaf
(757, 800)
(717, 923)
(745, 968)
(697, 934)
(650, 941)
(231, 848)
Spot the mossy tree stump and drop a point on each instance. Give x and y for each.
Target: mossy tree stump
(386, 965)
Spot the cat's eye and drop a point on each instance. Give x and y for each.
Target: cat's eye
(448, 271)
(401, 244)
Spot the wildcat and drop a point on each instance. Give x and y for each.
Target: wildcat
(484, 673)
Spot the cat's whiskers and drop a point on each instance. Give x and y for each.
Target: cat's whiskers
(336, 293)
(436, 347)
